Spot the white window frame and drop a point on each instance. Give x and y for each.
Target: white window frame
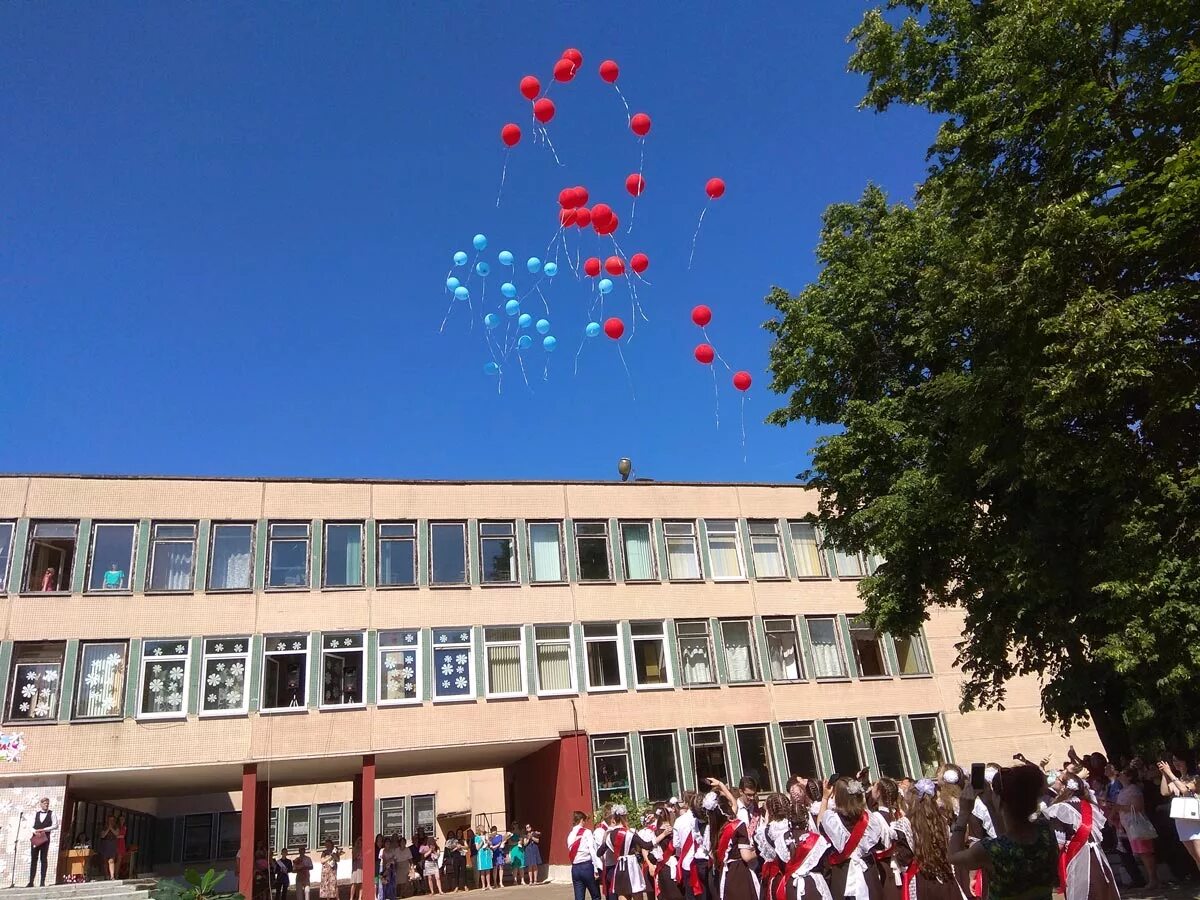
(562, 556)
(381, 539)
(597, 755)
(737, 542)
(674, 749)
(822, 562)
(767, 632)
(31, 544)
(755, 662)
(466, 555)
(212, 543)
(165, 658)
(307, 526)
(618, 639)
(663, 641)
(694, 535)
(649, 526)
(362, 555)
(469, 644)
(523, 691)
(858, 742)
(155, 540)
(361, 650)
(898, 734)
(921, 648)
(246, 657)
(135, 531)
(6, 562)
(712, 658)
(514, 556)
(389, 645)
(81, 675)
(16, 683)
(608, 547)
(289, 651)
(773, 524)
(570, 642)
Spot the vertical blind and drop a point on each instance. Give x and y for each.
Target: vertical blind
(554, 666)
(545, 553)
(806, 551)
(639, 558)
(503, 660)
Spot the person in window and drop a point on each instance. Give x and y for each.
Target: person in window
(107, 848)
(39, 840)
(330, 856)
(49, 580)
(114, 578)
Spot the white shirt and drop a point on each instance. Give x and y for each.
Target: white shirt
(600, 839)
(685, 826)
(839, 836)
(587, 846)
(981, 812)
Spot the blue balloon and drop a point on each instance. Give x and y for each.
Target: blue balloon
(543, 326)
(533, 265)
(512, 307)
(549, 342)
(605, 285)
(491, 368)
(551, 269)
(491, 320)
(460, 258)
(525, 321)
(592, 330)
(482, 268)
(506, 258)
(461, 293)
(508, 289)
(524, 342)
(452, 283)
(479, 242)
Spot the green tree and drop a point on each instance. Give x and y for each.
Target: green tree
(1013, 358)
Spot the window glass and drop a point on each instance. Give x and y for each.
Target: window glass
(638, 551)
(6, 536)
(610, 761)
(112, 557)
(34, 682)
(343, 554)
(828, 661)
(737, 644)
(397, 563)
(452, 669)
(287, 555)
(285, 671)
(497, 553)
(591, 550)
(164, 678)
(767, 549)
(545, 551)
(650, 667)
(810, 561)
(51, 556)
(911, 656)
(555, 669)
(197, 837)
(928, 738)
(172, 557)
(868, 650)
(424, 813)
(783, 649)
(849, 565)
(754, 746)
(329, 823)
(661, 765)
(505, 660)
(695, 653)
(295, 827)
(683, 555)
(343, 671)
(708, 754)
(603, 656)
(391, 816)
(225, 686)
(724, 550)
(100, 692)
(399, 666)
(448, 552)
(229, 835)
(843, 746)
(800, 747)
(889, 754)
(232, 563)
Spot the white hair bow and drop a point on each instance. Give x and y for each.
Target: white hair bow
(619, 810)
(710, 801)
(950, 776)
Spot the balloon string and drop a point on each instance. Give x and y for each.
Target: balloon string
(632, 392)
(637, 307)
(545, 302)
(716, 396)
(743, 427)
(446, 318)
(628, 116)
(641, 166)
(503, 175)
(521, 360)
(582, 341)
(696, 235)
(708, 340)
(550, 144)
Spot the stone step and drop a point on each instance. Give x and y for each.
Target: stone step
(133, 889)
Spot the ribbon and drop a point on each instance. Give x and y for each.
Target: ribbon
(1078, 841)
(856, 836)
(799, 855)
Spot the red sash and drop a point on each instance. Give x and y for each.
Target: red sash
(1078, 841)
(623, 835)
(668, 853)
(574, 848)
(770, 869)
(907, 878)
(856, 836)
(798, 856)
(725, 840)
(693, 877)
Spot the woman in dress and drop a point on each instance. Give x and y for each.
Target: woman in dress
(122, 848)
(730, 847)
(387, 869)
(854, 832)
(514, 846)
(496, 842)
(922, 842)
(108, 847)
(626, 878)
(403, 865)
(1179, 780)
(1079, 825)
(662, 861)
(778, 823)
(483, 861)
(800, 851)
(329, 861)
(533, 854)
(430, 866)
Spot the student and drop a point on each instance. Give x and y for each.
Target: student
(586, 864)
(282, 875)
(623, 842)
(854, 833)
(884, 800)
(691, 846)
(730, 847)
(799, 851)
(922, 842)
(1079, 825)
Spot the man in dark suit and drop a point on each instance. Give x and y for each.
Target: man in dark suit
(39, 841)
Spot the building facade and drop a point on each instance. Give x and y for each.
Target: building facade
(228, 662)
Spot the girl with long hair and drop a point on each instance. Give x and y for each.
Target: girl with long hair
(926, 838)
(730, 847)
(1079, 824)
(884, 801)
(854, 833)
(778, 810)
(626, 878)
(800, 852)
(662, 861)
(691, 845)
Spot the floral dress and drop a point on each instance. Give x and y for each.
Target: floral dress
(1023, 871)
(329, 881)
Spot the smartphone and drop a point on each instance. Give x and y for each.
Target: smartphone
(978, 778)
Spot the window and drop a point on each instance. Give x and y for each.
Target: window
(164, 679)
(610, 763)
(295, 827)
(343, 554)
(754, 746)
(767, 549)
(708, 754)
(287, 555)
(605, 668)
(172, 557)
(34, 682)
(650, 665)
(51, 556)
(843, 746)
(911, 655)
(661, 766)
(695, 653)
(6, 536)
(391, 816)
(226, 679)
(504, 651)
(112, 557)
(783, 649)
(683, 553)
(273, 829)
(555, 659)
(868, 650)
(806, 548)
(197, 837)
(800, 748)
(397, 563)
(424, 807)
(100, 691)
(848, 565)
(448, 553)
(828, 661)
(229, 835)
(285, 671)
(329, 823)
(591, 551)
(453, 678)
(399, 666)
(343, 669)
(637, 550)
(889, 752)
(931, 753)
(545, 552)
(497, 553)
(724, 550)
(737, 644)
(231, 561)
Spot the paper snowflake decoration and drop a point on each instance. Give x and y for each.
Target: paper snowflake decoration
(175, 699)
(157, 651)
(447, 668)
(461, 659)
(460, 682)
(409, 638)
(445, 684)
(296, 645)
(281, 646)
(218, 648)
(212, 698)
(237, 648)
(179, 648)
(156, 686)
(214, 680)
(237, 669)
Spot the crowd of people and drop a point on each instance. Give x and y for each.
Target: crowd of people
(988, 833)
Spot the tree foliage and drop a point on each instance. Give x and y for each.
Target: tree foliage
(1013, 357)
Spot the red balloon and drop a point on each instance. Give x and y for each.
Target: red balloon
(530, 87)
(635, 184)
(581, 196)
(741, 381)
(714, 187)
(591, 266)
(543, 110)
(640, 124)
(609, 70)
(573, 55)
(566, 217)
(609, 228)
(601, 213)
(510, 134)
(704, 353)
(639, 262)
(566, 198)
(614, 328)
(614, 266)
(564, 69)
(701, 315)
(583, 217)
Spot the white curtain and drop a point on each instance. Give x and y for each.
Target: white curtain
(172, 567)
(806, 551)
(102, 680)
(849, 565)
(681, 557)
(504, 669)
(554, 667)
(768, 561)
(547, 561)
(639, 561)
(697, 667)
(354, 557)
(785, 663)
(231, 559)
(738, 659)
(827, 659)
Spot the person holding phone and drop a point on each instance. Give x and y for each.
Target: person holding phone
(854, 833)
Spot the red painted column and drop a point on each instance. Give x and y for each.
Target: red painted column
(249, 820)
(364, 785)
(572, 791)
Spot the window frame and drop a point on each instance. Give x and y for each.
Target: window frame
(153, 550)
(696, 558)
(6, 562)
(287, 837)
(880, 646)
(246, 657)
(920, 648)
(839, 643)
(737, 543)
(361, 650)
(522, 662)
(775, 533)
(722, 742)
(185, 682)
(800, 739)
(862, 565)
(712, 659)
(564, 575)
(648, 524)
(362, 554)
(818, 545)
(645, 785)
(135, 533)
(796, 643)
(80, 677)
(618, 639)
(31, 543)
(859, 748)
(755, 663)
(15, 665)
(416, 800)
(381, 669)
(213, 528)
(597, 755)
(197, 821)
(771, 763)
(939, 731)
(289, 523)
(472, 689)
(901, 744)
(413, 539)
(571, 659)
(329, 809)
(514, 556)
(664, 643)
(302, 706)
(466, 556)
(611, 577)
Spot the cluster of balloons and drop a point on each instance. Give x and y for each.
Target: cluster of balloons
(705, 353)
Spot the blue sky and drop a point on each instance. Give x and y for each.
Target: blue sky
(226, 229)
